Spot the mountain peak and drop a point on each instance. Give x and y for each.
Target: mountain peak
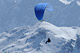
(65, 32)
(43, 37)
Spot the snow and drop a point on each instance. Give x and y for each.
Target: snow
(32, 39)
(66, 2)
(78, 3)
(60, 31)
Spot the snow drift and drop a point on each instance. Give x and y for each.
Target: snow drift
(32, 39)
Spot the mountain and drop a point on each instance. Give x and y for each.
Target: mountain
(43, 37)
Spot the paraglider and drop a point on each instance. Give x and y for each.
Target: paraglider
(39, 10)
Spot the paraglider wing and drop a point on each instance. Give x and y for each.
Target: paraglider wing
(39, 10)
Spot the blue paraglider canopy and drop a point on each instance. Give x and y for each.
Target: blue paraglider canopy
(39, 10)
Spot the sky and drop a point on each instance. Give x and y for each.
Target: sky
(17, 13)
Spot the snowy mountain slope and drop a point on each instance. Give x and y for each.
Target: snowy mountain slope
(33, 39)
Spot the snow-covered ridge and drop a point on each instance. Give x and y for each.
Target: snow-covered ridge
(67, 2)
(34, 39)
